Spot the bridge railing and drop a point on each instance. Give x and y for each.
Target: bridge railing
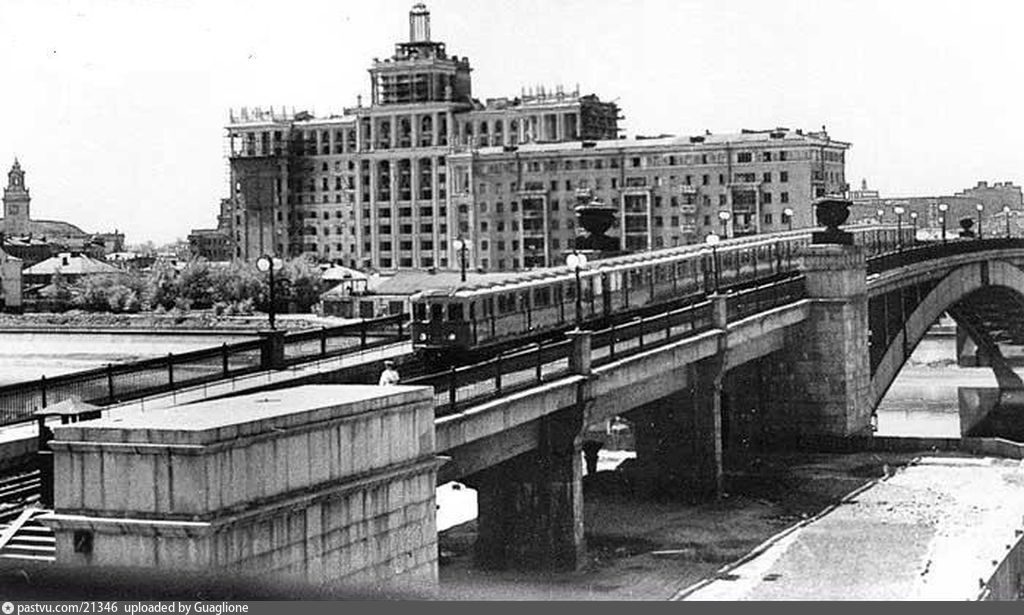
(127, 381)
(933, 250)
(462, 387)
(119, 382)
(756, 300)
(330, 342)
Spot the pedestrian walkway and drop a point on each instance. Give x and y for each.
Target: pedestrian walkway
(932, 531)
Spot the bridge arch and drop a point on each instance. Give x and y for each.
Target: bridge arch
(957, 285)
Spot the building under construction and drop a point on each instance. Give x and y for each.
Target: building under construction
(390, 185)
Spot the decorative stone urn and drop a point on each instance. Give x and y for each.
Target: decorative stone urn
(596, 218)
(967, 227)
(832, 213)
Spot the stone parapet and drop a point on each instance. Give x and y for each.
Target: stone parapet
(330, 484)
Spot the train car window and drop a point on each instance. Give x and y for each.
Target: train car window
(506, 304)
(455, 312)
(542, 297)
(488, 306)
(419, 311)
(472, 311)
(570, 291)
(436, 312)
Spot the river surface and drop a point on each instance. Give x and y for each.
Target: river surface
(27, 356)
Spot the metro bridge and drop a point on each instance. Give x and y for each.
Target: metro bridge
(806, 357)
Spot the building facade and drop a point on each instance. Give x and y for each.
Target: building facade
(392, 184)
(517, 204)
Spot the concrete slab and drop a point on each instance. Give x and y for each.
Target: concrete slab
(929, 532)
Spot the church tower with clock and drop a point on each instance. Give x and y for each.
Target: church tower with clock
(16, 203)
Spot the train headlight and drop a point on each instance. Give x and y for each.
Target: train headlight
(423, 337)
(451, 337)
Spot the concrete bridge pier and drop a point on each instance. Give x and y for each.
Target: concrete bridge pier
(821, 381)
(968, 352)
(679, 438)
(530, 508)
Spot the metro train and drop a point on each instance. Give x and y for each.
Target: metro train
(472, 319)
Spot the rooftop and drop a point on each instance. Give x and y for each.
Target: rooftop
(776, 136)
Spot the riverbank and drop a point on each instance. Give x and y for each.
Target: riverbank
(198, 320)
(651, 550)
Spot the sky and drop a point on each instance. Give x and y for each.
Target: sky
(116, 108)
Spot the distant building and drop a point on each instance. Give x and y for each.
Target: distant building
(210, 244)
(865, 197)
(23, 236)
(71, 266)
(10, 282)
(960, 206)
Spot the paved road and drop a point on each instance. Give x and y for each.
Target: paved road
(929, 532)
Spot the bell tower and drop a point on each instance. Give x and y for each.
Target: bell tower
(16, 203)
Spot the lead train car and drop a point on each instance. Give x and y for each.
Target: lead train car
(475, 318)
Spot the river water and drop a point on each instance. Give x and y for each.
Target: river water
(27, 356)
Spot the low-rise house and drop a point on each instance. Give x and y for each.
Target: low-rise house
(72, 266)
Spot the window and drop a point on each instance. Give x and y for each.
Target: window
(705, 179)
(721, 179)
(766, 156)
(743, 157)
(634, 162)
(784, 197)
(782, 156)
(483, 226)
(767, 177)
(766, 198)
(784, 176)
(721, 199)
(659, 221)
(767, 218)
(484, 245)
(675, 221)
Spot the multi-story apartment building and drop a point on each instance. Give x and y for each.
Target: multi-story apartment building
(517, 203)
(369, 188)
(392, 184)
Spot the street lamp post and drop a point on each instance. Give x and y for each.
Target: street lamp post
(981, 208)
(461, 246)
(725, 216)
(789, 216)
(576, 262)
(899, 211)
(713, 240)
(943, 208)
(913, 219)
(1006, 211)
(268, 264)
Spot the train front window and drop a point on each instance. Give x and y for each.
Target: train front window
(436, 312)
(419, 312)
(455, 312)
